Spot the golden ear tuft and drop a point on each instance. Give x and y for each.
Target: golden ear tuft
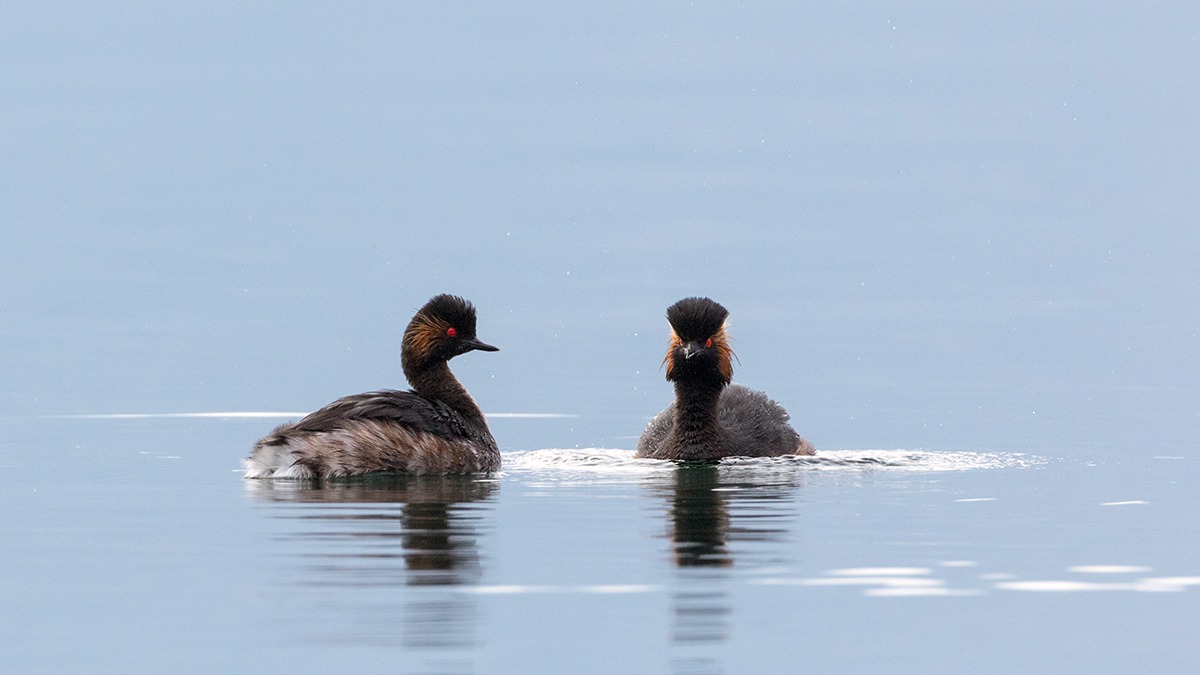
(423, 333)
(674, 342)
(724, 352)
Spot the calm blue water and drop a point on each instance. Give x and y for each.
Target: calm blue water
(134, 545)
(958, 244)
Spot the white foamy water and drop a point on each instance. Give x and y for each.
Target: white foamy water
(616, 461)
(588, 464)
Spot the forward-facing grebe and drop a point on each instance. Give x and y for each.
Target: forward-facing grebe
(710, 418)
(435, 428)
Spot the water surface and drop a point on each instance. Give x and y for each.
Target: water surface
(153, 550)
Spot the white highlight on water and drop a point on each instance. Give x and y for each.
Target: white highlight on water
(519, 589)
(530, 416)
(881, 582)
(1060, 586)
(911, 591)
(1109, 569)
(197, 415)
(880, 571)
(241, 414)
(919, 581)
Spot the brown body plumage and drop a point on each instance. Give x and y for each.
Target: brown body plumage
(436, 428)
(710, 418)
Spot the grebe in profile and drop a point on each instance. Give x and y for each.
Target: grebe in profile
(711, 418)
(435, 428)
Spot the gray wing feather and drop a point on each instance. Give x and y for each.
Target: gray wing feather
(656, 432)
(403, 407)
(756, 423)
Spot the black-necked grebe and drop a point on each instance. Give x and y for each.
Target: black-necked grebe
(436, 428)
(711, 418)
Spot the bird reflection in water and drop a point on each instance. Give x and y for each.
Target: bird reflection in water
(717, 514)
(389, 549)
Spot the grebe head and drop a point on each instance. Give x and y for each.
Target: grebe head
(699, 347)
(441, 330)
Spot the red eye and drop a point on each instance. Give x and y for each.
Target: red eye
(708, 342)
(451, 332)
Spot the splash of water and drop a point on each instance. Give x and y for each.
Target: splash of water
(614, 461)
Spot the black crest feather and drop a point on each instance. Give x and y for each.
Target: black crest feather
(696, 318)
(451, 310)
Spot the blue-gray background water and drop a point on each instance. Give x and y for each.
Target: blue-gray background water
(958, 244)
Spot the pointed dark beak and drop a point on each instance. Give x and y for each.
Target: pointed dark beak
(690, 349)
(474, 343)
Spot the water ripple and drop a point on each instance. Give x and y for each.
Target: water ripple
(608, 461)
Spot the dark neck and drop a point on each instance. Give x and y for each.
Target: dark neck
(698, 433)
(435, 381)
